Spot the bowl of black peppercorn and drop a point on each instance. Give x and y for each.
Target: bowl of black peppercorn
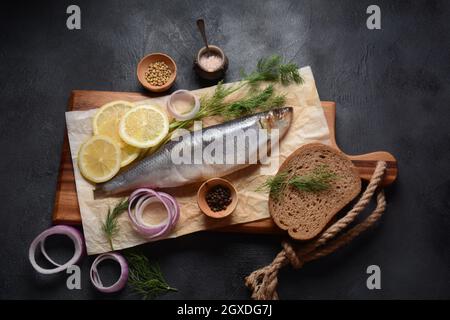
(217, 198)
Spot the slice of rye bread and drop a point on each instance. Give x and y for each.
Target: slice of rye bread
(305, 214)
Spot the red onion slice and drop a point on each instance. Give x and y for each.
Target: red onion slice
(71, 232)
(44, 253)
(185, 116)
(143, 197)
(160, 228)
(120, 283)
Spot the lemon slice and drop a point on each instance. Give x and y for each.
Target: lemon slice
(144, 126)
(128, 154)
(106, 122)
(99, 159)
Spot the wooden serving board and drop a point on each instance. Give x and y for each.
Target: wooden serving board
(66, 210)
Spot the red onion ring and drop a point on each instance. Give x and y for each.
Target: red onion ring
(120, 283)
(186, 116)
(72, 233)
(141, 198)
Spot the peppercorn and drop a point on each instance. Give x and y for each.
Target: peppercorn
(158, 73)
(218, 198)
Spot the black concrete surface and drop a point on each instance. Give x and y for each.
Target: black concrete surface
(390, 85)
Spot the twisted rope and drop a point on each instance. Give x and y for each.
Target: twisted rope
(263, 282)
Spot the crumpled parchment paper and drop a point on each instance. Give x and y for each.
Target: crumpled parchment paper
(309, 124)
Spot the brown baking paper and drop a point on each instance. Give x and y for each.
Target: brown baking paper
(309, 124)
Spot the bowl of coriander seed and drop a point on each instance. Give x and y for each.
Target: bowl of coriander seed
(157, 72)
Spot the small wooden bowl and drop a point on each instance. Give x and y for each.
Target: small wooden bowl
(203, 205)
(215, 74)
(143, 67)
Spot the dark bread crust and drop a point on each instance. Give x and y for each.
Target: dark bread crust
(305, 214)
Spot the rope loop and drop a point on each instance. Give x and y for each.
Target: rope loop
(263, 282)
(291, 255)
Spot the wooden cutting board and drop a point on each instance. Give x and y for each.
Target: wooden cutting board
(66, 210)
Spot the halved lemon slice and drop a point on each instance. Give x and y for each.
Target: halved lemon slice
(106, 122)
(99, 159)
(144, 126)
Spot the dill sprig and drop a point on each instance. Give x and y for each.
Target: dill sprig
(216, 104)
(289, 73)
(273, 69)
(263, 100)
(110, 226)
(275, 185)
(146, 278)
(269, 69)
(318, 180)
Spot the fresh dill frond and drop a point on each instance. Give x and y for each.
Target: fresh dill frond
(289, 74)
(267, 69)
(272, 69)
(275, 185)
(262, 100)
(275, 101)
(318, 180)
(146, 278)
(214, 104)
(110, 226)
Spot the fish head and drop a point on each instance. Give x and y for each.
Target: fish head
(279, 118)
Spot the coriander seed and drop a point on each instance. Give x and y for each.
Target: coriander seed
(158, 73)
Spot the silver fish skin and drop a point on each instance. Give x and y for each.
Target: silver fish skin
(159, 171)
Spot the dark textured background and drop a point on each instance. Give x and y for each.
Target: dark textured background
(391, 89)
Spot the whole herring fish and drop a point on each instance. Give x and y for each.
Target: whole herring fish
(179, 162)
